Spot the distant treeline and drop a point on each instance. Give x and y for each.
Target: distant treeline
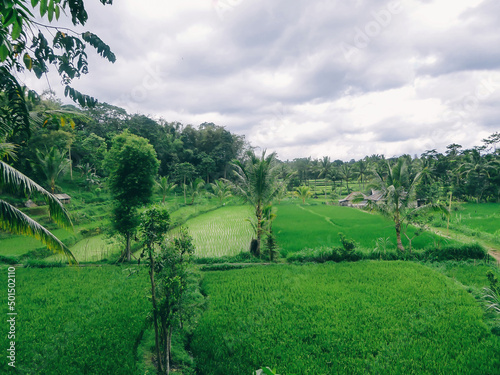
(85, 136)
(469, 174)
(206, 151)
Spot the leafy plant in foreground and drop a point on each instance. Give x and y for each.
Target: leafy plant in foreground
(154, 225)
(492, 294)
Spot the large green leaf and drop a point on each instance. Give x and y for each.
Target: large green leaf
(12, 180)
(16, 222)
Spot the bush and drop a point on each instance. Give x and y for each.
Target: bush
(464, 252)
(35, 263)
(221, 267)
(325, 254)
(243, 257)
(8, 260)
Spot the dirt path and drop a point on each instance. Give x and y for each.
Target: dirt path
(493, 250)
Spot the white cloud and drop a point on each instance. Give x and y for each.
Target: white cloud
(424, 74)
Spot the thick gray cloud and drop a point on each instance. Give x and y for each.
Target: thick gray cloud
(344, 78)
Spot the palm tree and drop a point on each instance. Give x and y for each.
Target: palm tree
(346, 171)
(195, 188)
(325, 167)
(221, 190)
(14, 118)
(52, 164)
(16, 222)
(257, 182)
(477, 169)
(270, 243)
(165, 187)
(399, 195)
(362, 167)
(303, 192)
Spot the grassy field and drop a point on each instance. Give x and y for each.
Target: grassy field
(92, 249)
(484, 217)
(356, 318)
(309, 226)
(76, 320)
(221, 232)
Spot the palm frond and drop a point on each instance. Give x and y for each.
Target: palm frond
(16, 222)
(11, 180)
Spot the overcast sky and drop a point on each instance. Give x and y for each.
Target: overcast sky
(338, 78)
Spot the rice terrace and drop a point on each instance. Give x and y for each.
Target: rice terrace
(140, 244)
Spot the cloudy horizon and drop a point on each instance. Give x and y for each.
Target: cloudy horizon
(344, 78)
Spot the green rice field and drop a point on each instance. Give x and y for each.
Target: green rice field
(309, 226)
(221, 232)
(347, 318)
(92, 249)
(75, 320)
(484, 217)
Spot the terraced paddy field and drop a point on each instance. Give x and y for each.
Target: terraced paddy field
(347, 318)
(484, 217)
(224, 231)
(310, 226)
(92, 249)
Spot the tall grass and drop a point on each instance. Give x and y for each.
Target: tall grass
(356, 318)
(77, 320)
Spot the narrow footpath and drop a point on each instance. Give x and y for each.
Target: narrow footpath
(493, 250)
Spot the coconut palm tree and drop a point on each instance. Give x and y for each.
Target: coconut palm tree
(325, 167)
(165, 187)
(257, 182)
(16, 222)
(303, 192)
(196, 189)
(15, 118)
(398, 195)
(346, 171)
(362, 167)
(52, 164)
(221, 190)
(477, 169)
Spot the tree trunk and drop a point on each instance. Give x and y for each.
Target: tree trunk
(155, 311)
(259, 228)
(70, 163)
(398, 237)
(185, 201)
(168, 348)
(129, 240)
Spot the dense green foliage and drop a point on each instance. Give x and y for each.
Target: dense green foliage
(469, 174)
(380, 317)
(432, 254)
(77, 320)
(132, 165)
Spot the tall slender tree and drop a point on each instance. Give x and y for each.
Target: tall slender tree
(257, 182)
(325, 168)
(132, 166)
(399, 195)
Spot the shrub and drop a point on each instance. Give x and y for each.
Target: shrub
(8, 260)
(220, 267)
(325, 254)
(450, 252)
(243, 257)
